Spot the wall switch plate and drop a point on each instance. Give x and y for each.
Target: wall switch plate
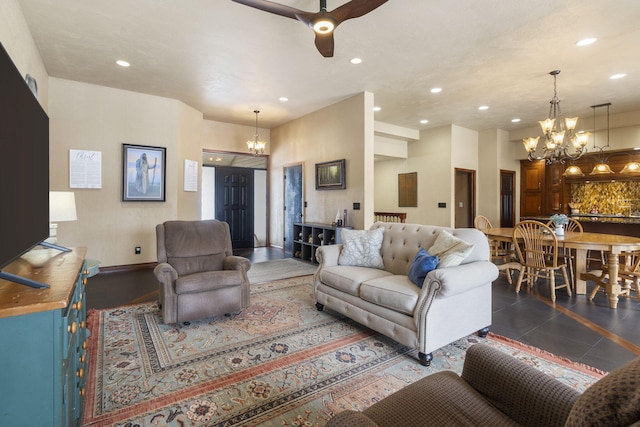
(442, 205)
(356, 206)
(138, 250)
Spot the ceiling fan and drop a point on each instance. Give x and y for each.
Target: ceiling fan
(323, 23)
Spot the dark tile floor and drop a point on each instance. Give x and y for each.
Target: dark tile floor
(576, 328)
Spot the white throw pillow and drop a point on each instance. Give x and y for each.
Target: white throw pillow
(450, 250)
(362, 248)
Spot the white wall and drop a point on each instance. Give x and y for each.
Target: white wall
(208, 210)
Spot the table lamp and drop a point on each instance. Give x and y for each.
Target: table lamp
(62, 207)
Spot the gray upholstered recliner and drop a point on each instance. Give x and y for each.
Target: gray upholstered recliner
(199, 275)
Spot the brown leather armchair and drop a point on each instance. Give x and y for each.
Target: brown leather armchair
(199, 275)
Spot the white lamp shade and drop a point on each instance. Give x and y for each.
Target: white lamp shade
(62, 206)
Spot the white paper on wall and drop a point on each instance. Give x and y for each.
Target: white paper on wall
(85, 169)
(190, 175)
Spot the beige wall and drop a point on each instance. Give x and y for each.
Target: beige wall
(90, 117)
(332, 133)
(431, 158)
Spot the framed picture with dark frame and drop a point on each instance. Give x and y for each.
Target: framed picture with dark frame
(331, 175)
(143, 173)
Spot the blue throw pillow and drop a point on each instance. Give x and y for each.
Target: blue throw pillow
(422, 264)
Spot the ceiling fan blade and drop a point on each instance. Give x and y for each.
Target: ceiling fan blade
(324, 43)
(354, 9)
(278, 9)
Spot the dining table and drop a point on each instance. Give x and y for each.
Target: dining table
(612, 244)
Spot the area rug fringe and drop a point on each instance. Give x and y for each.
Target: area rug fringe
(567, 363)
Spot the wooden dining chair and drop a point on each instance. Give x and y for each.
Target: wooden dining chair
(537, 249)
(502, 253)
(573, 226)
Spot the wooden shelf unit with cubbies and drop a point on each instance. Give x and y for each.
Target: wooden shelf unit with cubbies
(308, 237)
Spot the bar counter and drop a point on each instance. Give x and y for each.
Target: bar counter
(604, 223)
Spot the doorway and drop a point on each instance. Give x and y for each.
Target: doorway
(464, 198)
(234, 203)
(507, 198)
(293, 204)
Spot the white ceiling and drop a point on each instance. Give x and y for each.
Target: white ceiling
(226, 59)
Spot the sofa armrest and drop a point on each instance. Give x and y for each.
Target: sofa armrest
(165, 274)
(350, 418)
(461, 278)
(528, 396)
(234, 262)
(328, 255)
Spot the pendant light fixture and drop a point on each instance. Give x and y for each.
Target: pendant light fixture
(559, 134)
(601, 168)
(256, 147)
(631, 168)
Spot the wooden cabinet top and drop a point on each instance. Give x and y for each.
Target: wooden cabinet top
(57, 269)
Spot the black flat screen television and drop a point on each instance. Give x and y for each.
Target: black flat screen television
(24, 167)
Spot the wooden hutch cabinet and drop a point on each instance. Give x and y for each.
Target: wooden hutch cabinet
(544, 190)
(531, 188)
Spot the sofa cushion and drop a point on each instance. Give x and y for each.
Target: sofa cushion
(362, 248)
(612, 401)
(394, 292)
(449, 249)
(422, 264)
(348, 278)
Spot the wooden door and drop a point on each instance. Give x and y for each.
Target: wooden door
(507, 198)
(531, 188)
(234, 203)
(465, 183)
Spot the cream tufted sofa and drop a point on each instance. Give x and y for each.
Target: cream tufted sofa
(453, 302)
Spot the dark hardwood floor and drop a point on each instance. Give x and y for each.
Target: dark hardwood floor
(576, 328)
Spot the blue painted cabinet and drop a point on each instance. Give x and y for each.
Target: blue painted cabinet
(43, 341)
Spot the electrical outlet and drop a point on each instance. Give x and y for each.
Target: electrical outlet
(138, 250)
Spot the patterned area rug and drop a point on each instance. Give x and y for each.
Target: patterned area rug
(262, 272)
(278, 363)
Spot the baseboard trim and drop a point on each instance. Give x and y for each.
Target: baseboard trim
(127, 268)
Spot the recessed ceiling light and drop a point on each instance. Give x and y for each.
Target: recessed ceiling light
(424, 121)
(356, 61)
(436, 90)
(218, 159)
(483, 107)
(587, 41)
(283, 99)
(515, 120)
(377, 108)
(122, 63)
(618, 76)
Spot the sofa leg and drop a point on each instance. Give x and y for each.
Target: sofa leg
(482, 333)
(425, 359)
(319, 306)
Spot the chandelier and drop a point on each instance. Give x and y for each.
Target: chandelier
(559, 135)
(256, 146)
